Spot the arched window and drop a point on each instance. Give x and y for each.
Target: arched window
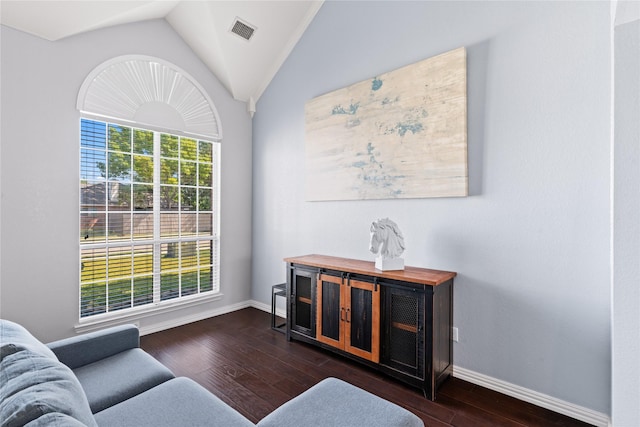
(149, 188)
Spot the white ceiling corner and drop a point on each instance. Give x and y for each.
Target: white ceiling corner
(56, 19)
(626, 11)
(297, 33)
(195, 24)
(245, 68)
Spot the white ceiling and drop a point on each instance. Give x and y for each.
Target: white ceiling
(626, 11)
(245, 68)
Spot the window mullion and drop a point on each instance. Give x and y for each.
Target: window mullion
(157, 253)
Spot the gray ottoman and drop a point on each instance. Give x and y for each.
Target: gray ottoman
(180, 402)
(333, 402)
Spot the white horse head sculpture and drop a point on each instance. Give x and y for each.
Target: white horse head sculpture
(386, 239)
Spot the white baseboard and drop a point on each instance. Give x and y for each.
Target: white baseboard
(539, 399)
(157, 327)
(266, 307)
(260, 305)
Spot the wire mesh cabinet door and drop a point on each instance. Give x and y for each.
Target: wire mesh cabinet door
(302, 299)
(403, 346)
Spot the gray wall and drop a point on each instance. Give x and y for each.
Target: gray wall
(39, 174)
(626, 227)
(531, 244)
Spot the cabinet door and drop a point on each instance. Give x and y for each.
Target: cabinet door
(348, 316)
(331, 313)
(403, 347)
(362, 319)
(302, 301)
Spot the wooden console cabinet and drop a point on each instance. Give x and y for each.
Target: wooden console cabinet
(398, 322)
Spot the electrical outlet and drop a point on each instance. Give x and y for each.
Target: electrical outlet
(454, 334)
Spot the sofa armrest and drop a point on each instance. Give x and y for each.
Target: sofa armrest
(88, 348)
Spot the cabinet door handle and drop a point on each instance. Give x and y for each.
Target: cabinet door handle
(342, 314)
(348, 315)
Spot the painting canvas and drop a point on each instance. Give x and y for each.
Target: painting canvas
(402, 134)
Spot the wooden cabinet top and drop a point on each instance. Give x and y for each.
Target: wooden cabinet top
(422, 276)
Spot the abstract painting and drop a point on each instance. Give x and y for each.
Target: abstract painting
(402, 134)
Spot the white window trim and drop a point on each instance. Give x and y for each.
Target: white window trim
(102, 96)
(134, 314)
(158, 305)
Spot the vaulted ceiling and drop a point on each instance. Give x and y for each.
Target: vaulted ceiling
(244, 67)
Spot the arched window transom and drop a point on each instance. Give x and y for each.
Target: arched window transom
(151, 92)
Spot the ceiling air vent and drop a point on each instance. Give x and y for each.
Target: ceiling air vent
(242, 29)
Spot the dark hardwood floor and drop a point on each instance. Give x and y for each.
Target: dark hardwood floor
(254, 369)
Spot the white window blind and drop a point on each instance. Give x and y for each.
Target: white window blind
(148, 217)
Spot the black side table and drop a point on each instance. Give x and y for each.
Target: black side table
(279, 290)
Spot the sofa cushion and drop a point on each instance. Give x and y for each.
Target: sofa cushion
(117, 378)
(333, 402)
(55, 419)
(14, 337)
(178, 402)
(32, 385)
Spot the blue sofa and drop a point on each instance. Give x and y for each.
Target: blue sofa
(104, 379)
